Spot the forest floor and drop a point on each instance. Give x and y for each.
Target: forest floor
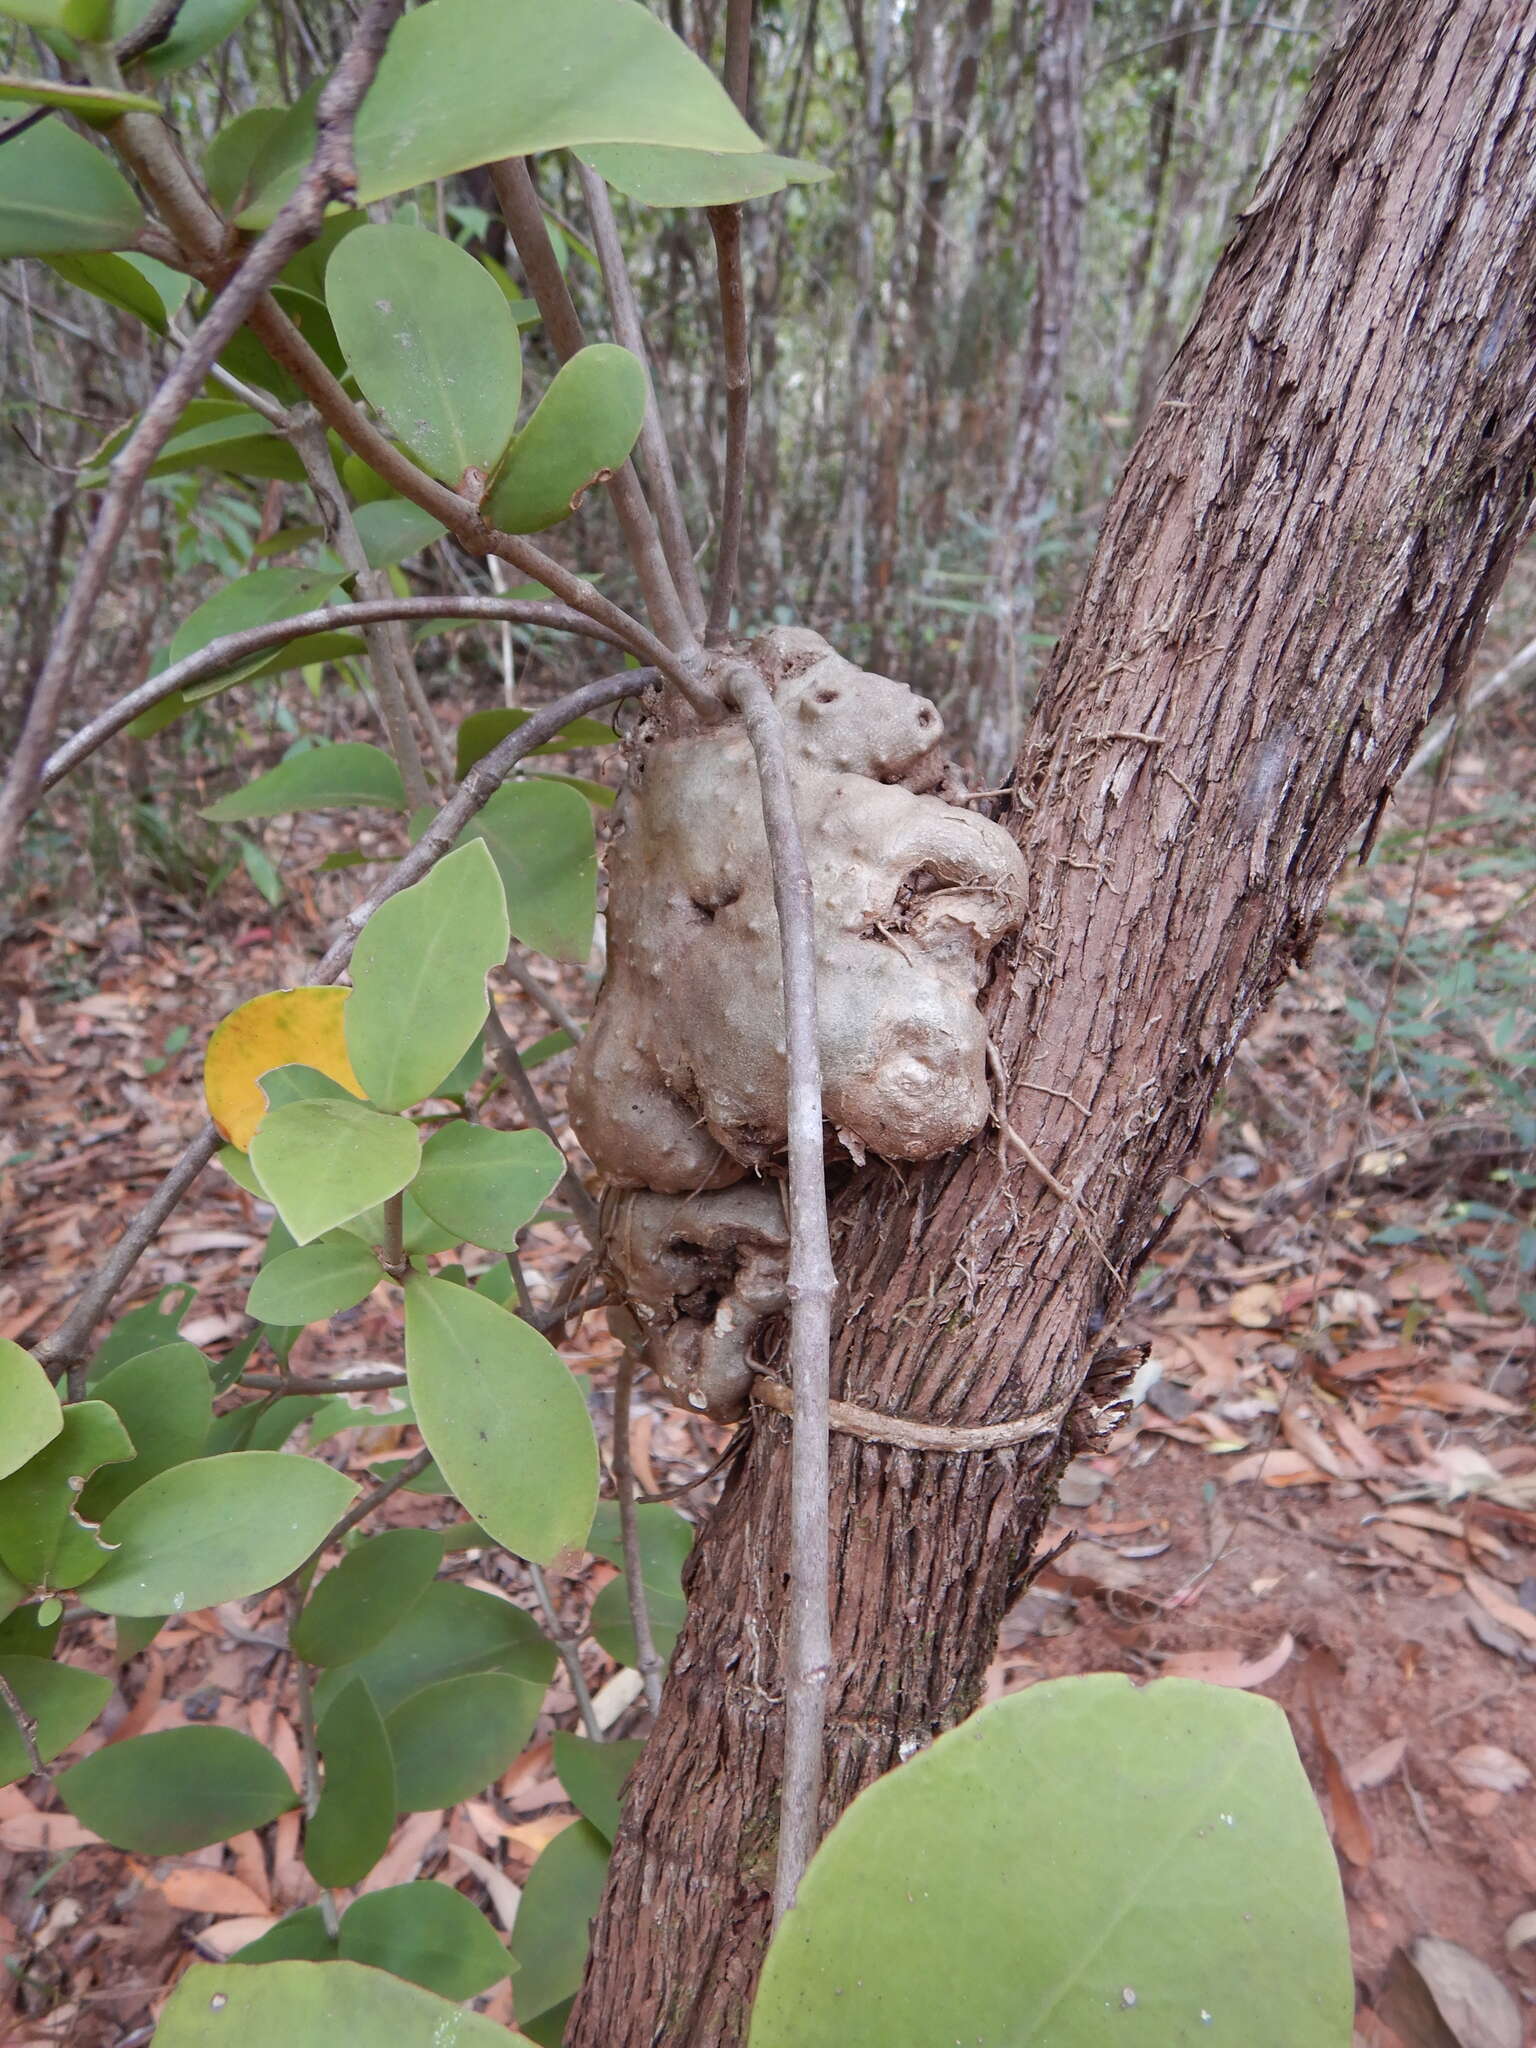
(1328, 1494)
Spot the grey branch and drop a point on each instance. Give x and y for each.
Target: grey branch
(812, 1284)
(229, 648)
(725, 225)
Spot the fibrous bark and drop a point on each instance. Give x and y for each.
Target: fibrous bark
(1292, 575)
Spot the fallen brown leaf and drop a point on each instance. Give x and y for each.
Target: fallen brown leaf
(1489, 1769)
(1230, 1667)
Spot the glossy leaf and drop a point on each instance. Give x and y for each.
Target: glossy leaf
(314, 1281)
(58, 193)
(215, 1530)
(595, 71)
(143, 1329)
(483, 730)
(418, 976)
(431, 341)
(593, 1774)
(118, 280)
(325, 1162)
(164, 1399)
(60, 1699)
(350, 1828)
(504, 1418)
(427, 1933)
(319, 779)
(367, 1595)
(1014, 1884)
(42, 1541)
(392, 530)
(30, 1415)
(450, 1631)
(299, 1937)
(200, 26)
(452, 1740)
(315, 2005)
(179, 1790)
(541, 839)
(484, 1185)
(658, 176)
(259, 599)
(549, 1936)
(580, 432)
(91, 102)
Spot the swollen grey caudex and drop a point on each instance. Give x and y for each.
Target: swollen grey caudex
(678, 1090)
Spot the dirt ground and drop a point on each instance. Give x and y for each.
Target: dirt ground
(1328, 1493)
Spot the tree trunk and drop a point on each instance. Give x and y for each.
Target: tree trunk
(1293, 573)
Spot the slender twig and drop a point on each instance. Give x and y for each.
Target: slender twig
(150, 33)
(362, 1383)
(331, 176)
(26, 1727)
(725, 226)
(546, 998)
(568, 1650)
(655, 449)
(647, 1662)
(309, 442)
(524, 216)
(68, 1344)
(392, 1252)
(376, 1496)
(508, 1061)
(812, 1283)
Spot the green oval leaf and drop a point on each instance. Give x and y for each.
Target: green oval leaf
(484, 1185)
(215, 1530)
(122, 281)
(145, 1328)
(315, 2005)
(1014, 1883)
(62, 1702)
(299, 1937)
(367, 1595)
(230, 158)
(418, 979)
(581, 431)
(452, 1740)
(595, 71)
(259, 599)
(90, 102)
(393, 529)
(30, 1415)
(428, 334)
(659, 176)
(560, 1900)
(323, 1163)
(59, 193)
(451, 1631)
(593, 1774)
(541, 838)
(167, 1794)
(42, 1539)
(319, 779)
(483, 730)
(427, 1933)
(350, 1828)
(314, 1281)
(503, 1416)
(164, 1399)
(200, 26)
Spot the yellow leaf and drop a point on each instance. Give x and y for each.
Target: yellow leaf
(291, 1027)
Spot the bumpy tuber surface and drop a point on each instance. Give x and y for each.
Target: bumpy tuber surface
(679, 1086)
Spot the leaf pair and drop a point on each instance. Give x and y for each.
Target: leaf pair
(432, 341)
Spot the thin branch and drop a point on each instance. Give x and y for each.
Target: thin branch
(520, 207)
(567, 1649)
(545, 998)
(413, 1468)
(725, 226)
(68, 1345)
(647, 1661)
(331, 176)
(150, 33)
(392, 1252)
(26, 1727)
(287, 1383)
(1519, 670)
(655, 450)
(812, 1284)
(230, 648)
(509, 1061)
(310, 444)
